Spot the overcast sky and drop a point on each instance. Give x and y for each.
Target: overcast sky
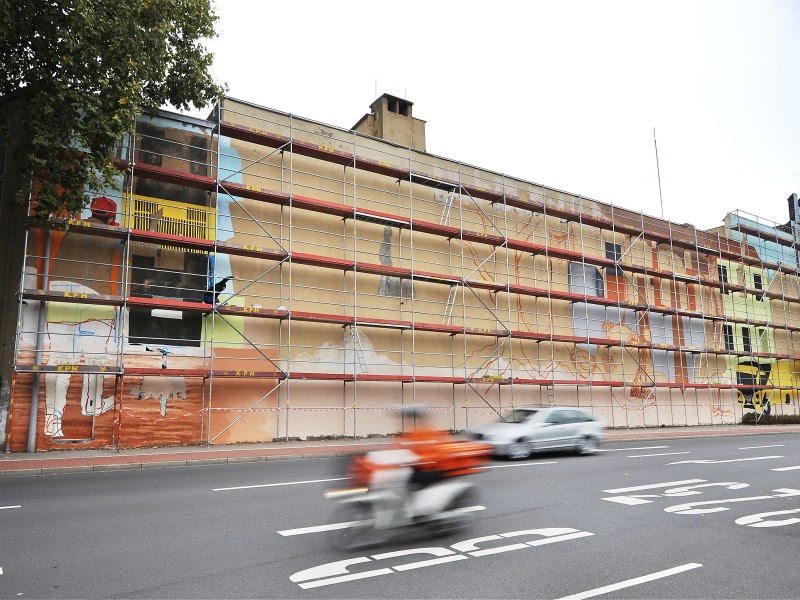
(562, 93)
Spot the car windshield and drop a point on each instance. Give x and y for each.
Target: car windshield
(517, 415)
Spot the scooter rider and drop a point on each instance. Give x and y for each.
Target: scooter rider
(421, 457)
(430, 446)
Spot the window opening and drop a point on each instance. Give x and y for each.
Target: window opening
(722, 271)
(758, 283)
(746, 345)
(728, 334)
(171, 275)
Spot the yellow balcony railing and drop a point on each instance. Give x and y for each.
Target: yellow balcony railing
(167, 216)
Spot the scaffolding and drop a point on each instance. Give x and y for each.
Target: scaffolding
(270, 277)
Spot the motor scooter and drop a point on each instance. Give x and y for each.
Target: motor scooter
(383, 502)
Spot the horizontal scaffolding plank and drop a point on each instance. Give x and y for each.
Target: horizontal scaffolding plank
(365, 377)
(177, 304)
(79, 368)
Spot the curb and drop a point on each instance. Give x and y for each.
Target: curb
(276, 455)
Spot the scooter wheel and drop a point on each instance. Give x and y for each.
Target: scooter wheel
(468, 498)
(361, 532)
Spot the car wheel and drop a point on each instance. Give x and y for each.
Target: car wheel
(519, 451)
(588, 446)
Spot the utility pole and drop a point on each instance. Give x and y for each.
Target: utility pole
(658, 170)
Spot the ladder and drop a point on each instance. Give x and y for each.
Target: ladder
(358, 350)
(451, 301)
(551, 395)
(445, 220)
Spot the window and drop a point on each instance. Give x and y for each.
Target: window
(150, 144)
(613, 251)
(722, 271)
(585, 279)
(746, 344)
(170, 275)
(758, 283)
(727, 331)
(558, 417)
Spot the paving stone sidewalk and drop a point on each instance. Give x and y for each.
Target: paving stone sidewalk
(77, 461)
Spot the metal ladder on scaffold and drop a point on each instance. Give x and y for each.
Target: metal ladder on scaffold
(358, 349)
(451, 301)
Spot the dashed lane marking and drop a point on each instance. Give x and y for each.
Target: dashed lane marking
(658, 454)
(528, 464)
(629, 449)
(785, 468)
(631, 582)
(756, 447)
(15, 506)
(346, 524)
(265, 485)
(708, 461)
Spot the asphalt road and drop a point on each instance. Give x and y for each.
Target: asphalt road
(696, 518)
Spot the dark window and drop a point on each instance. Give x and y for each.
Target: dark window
(558, 417)
(178, 276)
(613, 251)
(758, 283)
(727, 331)
(172, 149)
(746, 345)
(151, 144)
(722, 271)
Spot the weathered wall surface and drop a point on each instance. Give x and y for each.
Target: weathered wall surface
(568, 291)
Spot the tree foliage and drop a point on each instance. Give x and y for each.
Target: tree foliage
(79, 72)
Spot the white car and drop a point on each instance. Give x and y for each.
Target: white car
(521, 431)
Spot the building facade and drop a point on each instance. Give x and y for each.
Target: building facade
(260, 276)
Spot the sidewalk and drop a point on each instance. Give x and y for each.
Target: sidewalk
(81, 461)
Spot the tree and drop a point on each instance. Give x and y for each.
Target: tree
(78, 72)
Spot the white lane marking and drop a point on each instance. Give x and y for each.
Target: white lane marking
(428, 563)
(15, 506)
(633, 500)
(265, 485)
(346, 524)
(757, 447)
(337, 572)
(708, 461)
(659, 454)
(785, 468)
(690, 508)
(653, 486)
(629, 449)
(341, 578)
(759, 520)
(530, 464)
(631, 582)
(687, 490)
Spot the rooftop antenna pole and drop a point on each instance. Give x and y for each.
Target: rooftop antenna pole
(658, 170)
